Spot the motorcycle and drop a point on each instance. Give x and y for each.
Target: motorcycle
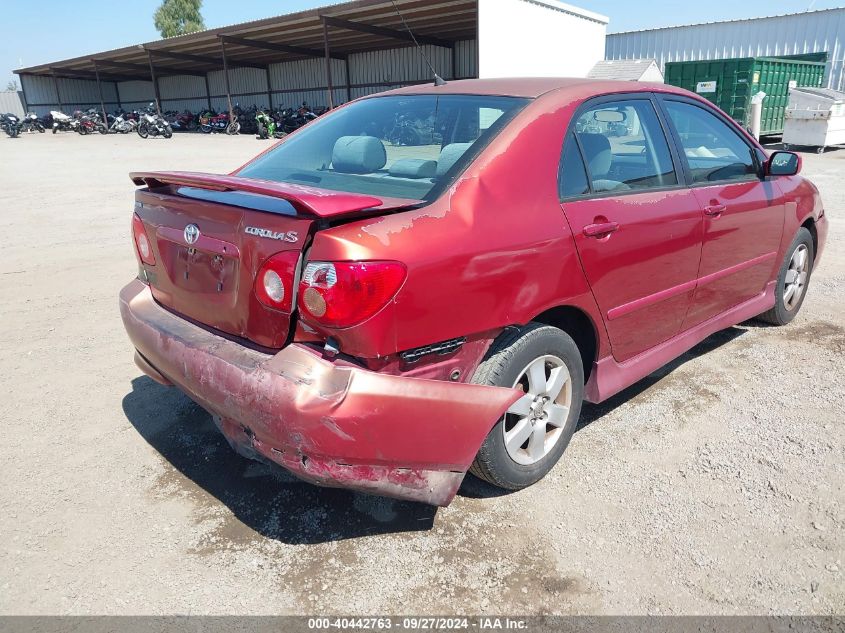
(10, 123)
(182, 121)
(220, 123)
(152, 124)
(62, 122)
(31, 123)
(122, 125)
(411, 130)
(246, 119)
(90, 122)
(294, 118)
(267, 125)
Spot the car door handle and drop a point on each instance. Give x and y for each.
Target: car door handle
(601, 229)
(715, 210)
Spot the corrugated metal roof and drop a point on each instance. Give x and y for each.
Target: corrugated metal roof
(625, 69)
(357, 26)
(764, 17)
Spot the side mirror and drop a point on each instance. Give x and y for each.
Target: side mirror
(783, 164)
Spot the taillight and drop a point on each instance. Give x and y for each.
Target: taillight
(142, 242)
(342, 294)
(274, 281)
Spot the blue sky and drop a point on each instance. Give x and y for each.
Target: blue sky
(57, 29)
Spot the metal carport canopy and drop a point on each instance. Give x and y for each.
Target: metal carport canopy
(332, 31)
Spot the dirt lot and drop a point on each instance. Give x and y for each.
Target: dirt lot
(714, 486)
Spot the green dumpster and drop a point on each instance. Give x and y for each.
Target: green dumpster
(730, 84)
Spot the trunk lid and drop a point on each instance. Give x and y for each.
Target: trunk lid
(207, 272)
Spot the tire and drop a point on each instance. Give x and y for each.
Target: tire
(83, 130)
(233, 128)
(168, 131)
(786, 308)
(205, 129)
(102, 129)
(55, 129)
(40, 128)
(142, 130)
(505, 365)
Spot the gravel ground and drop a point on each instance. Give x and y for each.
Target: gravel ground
(714, 486)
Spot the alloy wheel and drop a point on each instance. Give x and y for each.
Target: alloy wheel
(796, 277)
(534, 423)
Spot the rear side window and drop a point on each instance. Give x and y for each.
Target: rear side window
(713, 151)
(624, 147)
(573, 176)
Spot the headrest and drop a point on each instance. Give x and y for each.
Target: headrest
(358, 154)
(450, 155)
(414, 168)
(597, 153)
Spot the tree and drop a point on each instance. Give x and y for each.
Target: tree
(178, 17)
(12, 85)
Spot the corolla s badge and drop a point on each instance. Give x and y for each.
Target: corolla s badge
(289, 236)
(192, 233)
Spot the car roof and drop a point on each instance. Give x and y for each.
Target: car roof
(533, 87)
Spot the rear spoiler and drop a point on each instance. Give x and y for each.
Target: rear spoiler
(306, 200)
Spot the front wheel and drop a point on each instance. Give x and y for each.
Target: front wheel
(794, 275)
(205, 128)
(233, 128)
(529, 439)
(142, 130)
(167, 132)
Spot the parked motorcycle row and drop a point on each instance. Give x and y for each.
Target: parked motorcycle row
(263, 122)
(14, 125)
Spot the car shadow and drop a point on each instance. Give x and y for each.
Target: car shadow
(476, 488)
(264, 497)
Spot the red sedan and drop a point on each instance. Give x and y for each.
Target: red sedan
(431, 280)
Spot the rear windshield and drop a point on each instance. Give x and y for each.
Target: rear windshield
(396, 146)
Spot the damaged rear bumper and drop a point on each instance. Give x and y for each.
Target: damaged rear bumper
(327, 423)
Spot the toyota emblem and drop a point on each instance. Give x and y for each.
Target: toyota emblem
(192, 233)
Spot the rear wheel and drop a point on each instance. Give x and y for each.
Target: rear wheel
(529, 439)
(792, 280)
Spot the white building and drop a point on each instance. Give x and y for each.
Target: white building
(820, 31)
